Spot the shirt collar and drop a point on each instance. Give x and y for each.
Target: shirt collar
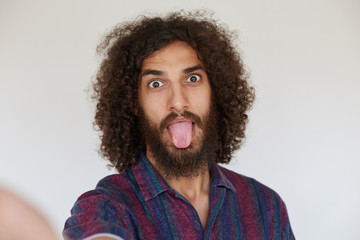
(149, 179)
(219, 178)
(151, 183)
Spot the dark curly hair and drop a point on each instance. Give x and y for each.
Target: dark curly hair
(116, 87)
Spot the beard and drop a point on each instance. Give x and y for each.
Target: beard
(188, 162)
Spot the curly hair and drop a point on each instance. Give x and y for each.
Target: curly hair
(116, 87)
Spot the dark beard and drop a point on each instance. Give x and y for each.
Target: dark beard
(188, 162)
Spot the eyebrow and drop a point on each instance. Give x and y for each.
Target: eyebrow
(192, 69)
(160, 73)
(152, 72)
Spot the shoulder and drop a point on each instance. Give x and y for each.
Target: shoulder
(111, 198)
(253, 189)
(117, 188)
(238, 179)
(106, 209)
(261, 203)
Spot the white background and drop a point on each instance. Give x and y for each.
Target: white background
(303, 135)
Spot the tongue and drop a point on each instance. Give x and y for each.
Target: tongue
(181, 134)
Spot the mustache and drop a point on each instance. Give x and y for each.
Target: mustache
(186, 114)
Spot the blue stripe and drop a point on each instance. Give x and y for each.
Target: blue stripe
(123, 203)
(214, 212)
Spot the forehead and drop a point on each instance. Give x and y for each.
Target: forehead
(177, 55)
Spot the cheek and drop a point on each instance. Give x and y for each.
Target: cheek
(202, 101)
(153, 108)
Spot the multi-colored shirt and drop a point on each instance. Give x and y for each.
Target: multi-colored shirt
(139, 204)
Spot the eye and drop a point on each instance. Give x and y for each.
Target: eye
(193, 78)
(156, 84)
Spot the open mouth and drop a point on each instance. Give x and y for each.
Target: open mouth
(181, 133)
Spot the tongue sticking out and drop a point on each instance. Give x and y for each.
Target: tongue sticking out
(181, 134)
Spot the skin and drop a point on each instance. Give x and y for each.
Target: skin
(20, 221)
(173, 79)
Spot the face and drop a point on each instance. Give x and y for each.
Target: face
(175, 98)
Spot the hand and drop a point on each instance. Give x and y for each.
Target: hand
(20, 221)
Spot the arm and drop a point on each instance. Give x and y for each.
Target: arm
(20, 221)
(97, 215)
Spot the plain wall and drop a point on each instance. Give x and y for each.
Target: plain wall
(302, 138)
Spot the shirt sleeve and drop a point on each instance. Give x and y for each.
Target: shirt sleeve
(103, 235)
(286, 232)
(96, 213)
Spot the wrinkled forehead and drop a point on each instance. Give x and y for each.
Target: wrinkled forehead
(171, 53)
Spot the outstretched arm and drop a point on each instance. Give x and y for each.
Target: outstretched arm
(20, 221)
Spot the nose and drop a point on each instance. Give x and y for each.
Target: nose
(178, 100)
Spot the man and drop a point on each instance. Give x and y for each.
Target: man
(172, 99)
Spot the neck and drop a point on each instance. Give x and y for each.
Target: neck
(191, 188)
(195, 189)
(188, 187)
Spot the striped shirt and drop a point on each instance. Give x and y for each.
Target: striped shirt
(139, 204)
